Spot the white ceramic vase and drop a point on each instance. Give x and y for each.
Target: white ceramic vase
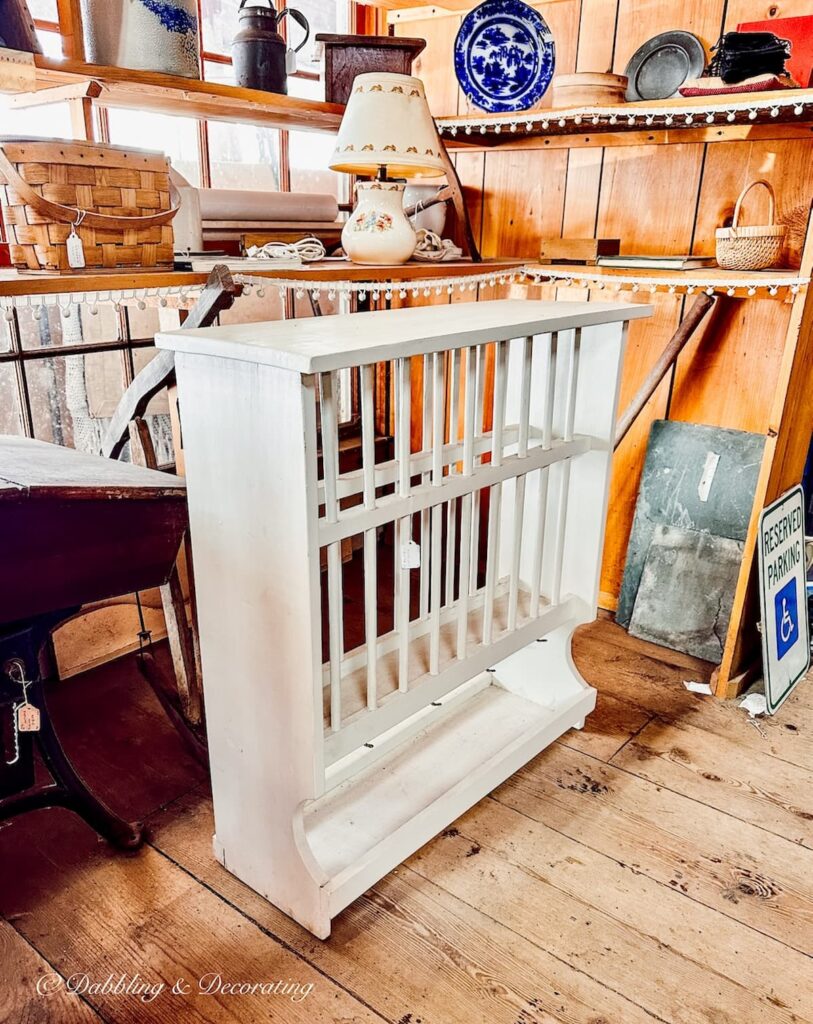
(378, 232)
(146, 35)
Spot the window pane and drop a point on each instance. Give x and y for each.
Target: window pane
(222, 74)
(323, 16)
(51, 43)
(51, 122)
(73, 397)
(243, 156)
(5, 332)
(10, 421)
(310, 152)
(218, 24)
(43, 10)
(175, 136)
(47, 327)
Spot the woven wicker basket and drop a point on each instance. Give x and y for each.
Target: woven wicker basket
(751, 248)
(121, 200)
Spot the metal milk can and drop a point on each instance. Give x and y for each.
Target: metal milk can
(259, 51)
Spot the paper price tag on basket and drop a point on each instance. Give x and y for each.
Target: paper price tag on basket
(76, 251)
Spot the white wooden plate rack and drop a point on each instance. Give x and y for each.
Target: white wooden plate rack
(327, 774)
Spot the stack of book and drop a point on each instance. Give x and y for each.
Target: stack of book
(657, 262)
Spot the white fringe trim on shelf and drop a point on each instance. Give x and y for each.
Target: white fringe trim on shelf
(722, 111)
(415, 288)
(182, 296)
(635, 283)
(141, 298)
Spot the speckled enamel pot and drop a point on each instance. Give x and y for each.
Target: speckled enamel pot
(147, 35)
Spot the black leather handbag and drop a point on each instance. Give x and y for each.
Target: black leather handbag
(741, 55)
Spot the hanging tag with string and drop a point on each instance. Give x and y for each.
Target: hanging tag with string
(28, 715)
(25, 715)
(76, 250)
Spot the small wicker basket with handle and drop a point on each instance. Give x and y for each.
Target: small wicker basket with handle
(754, 247)
(120, 203)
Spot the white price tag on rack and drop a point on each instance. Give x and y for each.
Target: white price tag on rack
(411, 556)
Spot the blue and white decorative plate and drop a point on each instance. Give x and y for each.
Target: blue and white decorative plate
(504, 56)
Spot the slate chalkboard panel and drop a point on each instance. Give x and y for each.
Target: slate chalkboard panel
(686, 592)
(697, 478)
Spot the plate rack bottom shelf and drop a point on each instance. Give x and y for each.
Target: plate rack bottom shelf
(492, 726)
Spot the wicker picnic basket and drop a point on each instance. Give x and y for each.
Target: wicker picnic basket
(118, 201)
(751, 248)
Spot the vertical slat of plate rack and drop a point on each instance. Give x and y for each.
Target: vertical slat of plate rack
(478, 428)
(330, 463)
(519, 505)
(574, 349)
(426, 518)
(370, 535)
(404, 527)
(467, 502)
(551, 357)
(435, 596)
(451, 507)
(495, 492)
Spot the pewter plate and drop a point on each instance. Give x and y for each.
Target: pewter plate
(658, 68)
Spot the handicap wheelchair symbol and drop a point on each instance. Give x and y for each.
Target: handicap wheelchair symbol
(787, 618)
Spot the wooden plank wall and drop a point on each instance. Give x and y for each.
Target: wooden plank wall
(656, 198)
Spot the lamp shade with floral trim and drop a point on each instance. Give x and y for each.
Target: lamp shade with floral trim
(387, 123)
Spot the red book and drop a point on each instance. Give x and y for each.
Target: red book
(800, 33)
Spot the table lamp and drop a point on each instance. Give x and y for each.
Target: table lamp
(387, 133)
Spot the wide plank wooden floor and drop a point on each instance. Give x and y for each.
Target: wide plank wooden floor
(655, 867)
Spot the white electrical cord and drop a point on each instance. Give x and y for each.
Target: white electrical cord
(431, 248)
(309, 250)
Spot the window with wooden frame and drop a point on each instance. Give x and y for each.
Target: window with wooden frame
(63, 370)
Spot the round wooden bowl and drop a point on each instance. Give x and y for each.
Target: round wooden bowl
(589, 89)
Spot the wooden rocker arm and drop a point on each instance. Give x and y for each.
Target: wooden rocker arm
(218, 294)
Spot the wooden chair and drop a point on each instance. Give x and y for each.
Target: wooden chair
(128, 424)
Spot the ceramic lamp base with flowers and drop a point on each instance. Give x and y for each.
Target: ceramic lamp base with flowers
(387, 131)
(378, 232)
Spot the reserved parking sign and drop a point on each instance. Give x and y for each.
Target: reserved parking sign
(783, 596)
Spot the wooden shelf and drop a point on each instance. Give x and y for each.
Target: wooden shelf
(36, 80)
(716, 117)
(14, 284)
(780, 283)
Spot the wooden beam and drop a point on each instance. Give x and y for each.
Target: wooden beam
(786, 447)
(69, 15)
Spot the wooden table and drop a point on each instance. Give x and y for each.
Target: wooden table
(74, 528)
